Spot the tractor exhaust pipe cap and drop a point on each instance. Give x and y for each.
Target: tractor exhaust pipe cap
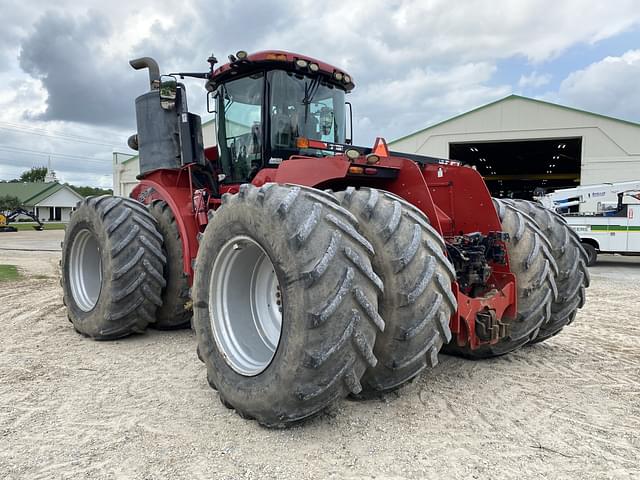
(152, 65)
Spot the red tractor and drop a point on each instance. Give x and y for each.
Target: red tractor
(309, 268)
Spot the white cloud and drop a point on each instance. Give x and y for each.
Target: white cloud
(424, 96)
(414, 61)
(534, 80)
(609, 86)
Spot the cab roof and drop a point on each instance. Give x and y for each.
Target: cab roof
(279, 59)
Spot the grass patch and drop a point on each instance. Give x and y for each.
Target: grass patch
(9, 273)
(21, 226)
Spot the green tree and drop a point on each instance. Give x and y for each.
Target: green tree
(91, 191)
(35, 174)
(9, 203)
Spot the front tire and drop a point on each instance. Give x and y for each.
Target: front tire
(282, 368)
(592, 254)
(112, 264)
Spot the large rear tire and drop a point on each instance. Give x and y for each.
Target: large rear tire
(417, 302)
(285, 303)
(175, 311)
(572, 260)
(535, 269)
(112, 264)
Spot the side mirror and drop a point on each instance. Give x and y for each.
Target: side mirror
(349, 140)
(168, 92)
(212, 98)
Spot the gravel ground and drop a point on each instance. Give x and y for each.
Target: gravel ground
(140, 408)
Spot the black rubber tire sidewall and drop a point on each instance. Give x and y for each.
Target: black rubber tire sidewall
(254, 392)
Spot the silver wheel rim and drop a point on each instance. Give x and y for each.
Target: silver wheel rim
(245, 306)
(85, 270)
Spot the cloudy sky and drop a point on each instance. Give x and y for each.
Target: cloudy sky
(67, 91)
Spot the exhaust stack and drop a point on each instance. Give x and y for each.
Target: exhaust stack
(152, 65)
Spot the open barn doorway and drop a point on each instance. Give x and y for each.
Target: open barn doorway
(517, 168)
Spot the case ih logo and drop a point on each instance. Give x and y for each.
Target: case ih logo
(142, 197)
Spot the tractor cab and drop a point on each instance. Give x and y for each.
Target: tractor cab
(269, 105)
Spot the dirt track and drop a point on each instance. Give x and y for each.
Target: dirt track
(141, 408)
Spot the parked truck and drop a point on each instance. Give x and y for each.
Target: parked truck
(608, 221)
(613, 231)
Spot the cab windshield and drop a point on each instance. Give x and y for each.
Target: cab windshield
(296, 106)
(301, 106)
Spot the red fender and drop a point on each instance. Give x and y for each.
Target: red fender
(173, 187)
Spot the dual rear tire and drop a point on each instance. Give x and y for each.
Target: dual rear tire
(112, 268)
(571, 258)
(175, 311)
(122, 268)
(417, 301)
(550, 266)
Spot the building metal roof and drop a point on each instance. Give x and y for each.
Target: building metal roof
(518, 97)
(31, 193)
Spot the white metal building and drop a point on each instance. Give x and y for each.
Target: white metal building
(57, 206)
(519, 144)
(49, 201)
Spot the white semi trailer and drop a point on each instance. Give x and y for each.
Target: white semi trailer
(613, 226)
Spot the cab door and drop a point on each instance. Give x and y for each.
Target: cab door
(617, 233)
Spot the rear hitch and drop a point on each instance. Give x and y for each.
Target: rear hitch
(488, 327)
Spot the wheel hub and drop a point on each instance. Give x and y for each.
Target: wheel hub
(85, 270)
(245, 305)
